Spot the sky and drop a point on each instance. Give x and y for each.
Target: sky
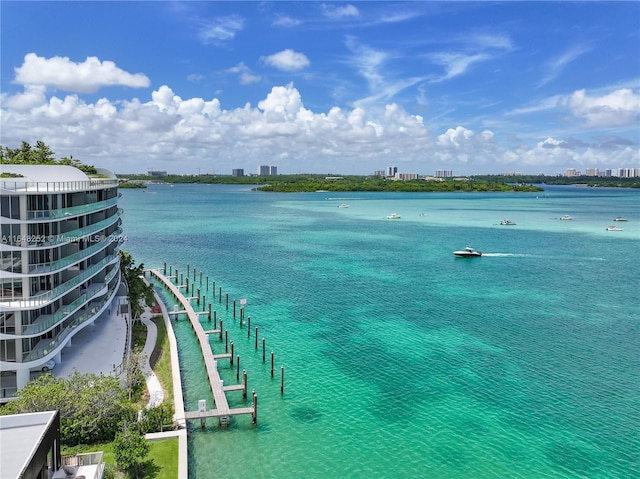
(325, 87)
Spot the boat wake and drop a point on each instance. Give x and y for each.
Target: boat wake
(524, 255)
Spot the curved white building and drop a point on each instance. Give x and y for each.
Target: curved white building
(60, 263)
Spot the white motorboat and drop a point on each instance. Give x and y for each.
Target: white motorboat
(620, 218)
(566, 217)
(393, 216)
(468, 252)
(343, 205)
(614, 228)
(507, 223)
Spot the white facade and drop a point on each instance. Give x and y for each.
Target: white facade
(60, 263)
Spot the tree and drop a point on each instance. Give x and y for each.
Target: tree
(134, 370)
(140, 292)
(130, 449)
(91, 407)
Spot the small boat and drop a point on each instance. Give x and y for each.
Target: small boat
(566, 217)
(620, 218)
(343, 205)
(614, 228)
(393, 216)
(468, 252)
(507, 223)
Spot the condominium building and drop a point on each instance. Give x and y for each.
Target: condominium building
(60, 263)
(268, 170)
(444, 173)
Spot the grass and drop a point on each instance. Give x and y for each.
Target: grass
(160, 359)
(162, 461)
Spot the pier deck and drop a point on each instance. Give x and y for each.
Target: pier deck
(222, 409)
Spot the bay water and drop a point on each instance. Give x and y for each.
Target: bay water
(401, 360)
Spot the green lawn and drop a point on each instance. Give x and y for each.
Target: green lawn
(162, 461)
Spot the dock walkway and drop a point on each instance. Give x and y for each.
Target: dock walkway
(222, 410)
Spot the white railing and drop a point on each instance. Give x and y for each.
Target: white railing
(22, 185)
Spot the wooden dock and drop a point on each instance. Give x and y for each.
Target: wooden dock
(222, 410)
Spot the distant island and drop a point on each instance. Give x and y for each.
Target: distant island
(337, 183)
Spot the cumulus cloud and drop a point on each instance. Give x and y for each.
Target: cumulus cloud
(287, 60)
(183, 134)
(220, 29)
(85, 77)
(620, 107)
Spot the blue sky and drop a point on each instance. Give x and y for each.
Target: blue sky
(325, 87)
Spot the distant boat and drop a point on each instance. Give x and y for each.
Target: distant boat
(343, 205)
(566, 217)
(614, 228)
(507, 223)
(468, 252)
(393, 216)
(620, 218)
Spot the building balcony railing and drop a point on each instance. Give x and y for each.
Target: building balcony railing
(46, 347)
(71, 211)
(40, 268)
(88, 465)
(42, 299)
(24, 186)
(36, 241)
(47, 321)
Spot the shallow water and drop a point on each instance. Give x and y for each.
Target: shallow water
(401, 360)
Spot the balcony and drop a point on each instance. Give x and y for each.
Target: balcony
(81, 466)
(42, 299)
(71, 211)
(46, 347)
(25, 186)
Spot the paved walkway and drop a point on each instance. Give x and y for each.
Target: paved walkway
(156, 394)
(97, 348)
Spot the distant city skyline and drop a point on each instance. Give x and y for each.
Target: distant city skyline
(314, 87)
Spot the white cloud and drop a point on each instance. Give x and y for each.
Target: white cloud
(456, 64)
(245, 74)
(64, 74)
(555, 66)
(286, 21)
(183, 134)
(339, 12)
(220, 29)
(287, 60)
(620, 107)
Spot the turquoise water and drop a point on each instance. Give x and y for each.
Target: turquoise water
(402, 361)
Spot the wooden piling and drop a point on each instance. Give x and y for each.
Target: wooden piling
(214, 315)
(254, 401)
(227, 302)
(281, 379)
(263, 349)
(164, 270)
(231, 357)
(238, 364)
(226, 340)
(198, 302)
(208, 284)
(187, 269)
(244, 383)
(271, 363)
(200, 277)
(210, 313)
(234, 308)
(256, 338)
(248, 326)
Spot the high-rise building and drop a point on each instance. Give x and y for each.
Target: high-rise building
(60, 263)
(267, 170)
(237, 172)
(444, 173)
(392, 170)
